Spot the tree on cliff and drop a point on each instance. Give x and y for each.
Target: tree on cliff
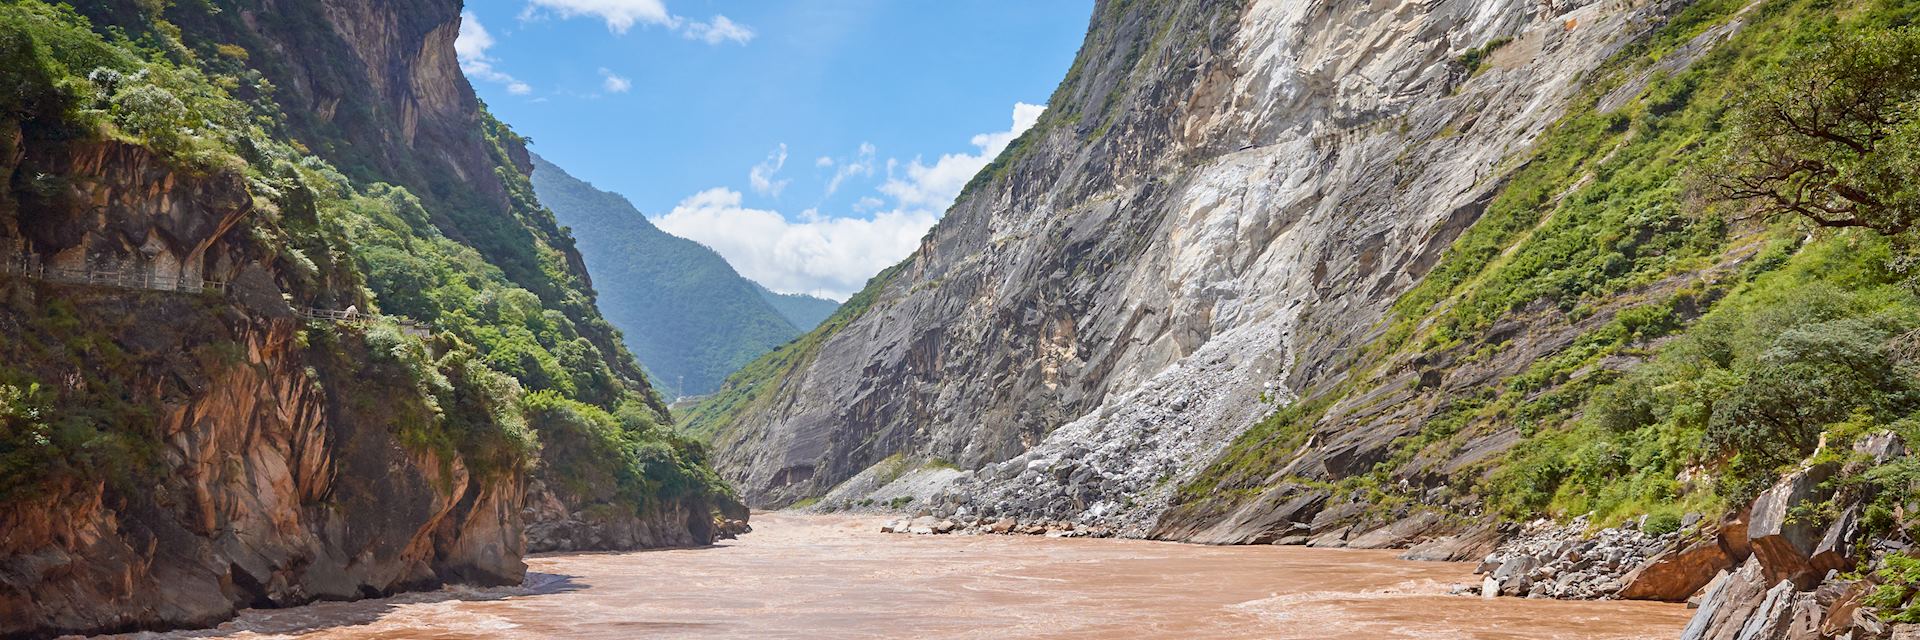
(1835, 138)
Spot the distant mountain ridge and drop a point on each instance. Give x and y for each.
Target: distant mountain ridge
(804, 311)
(682, 308)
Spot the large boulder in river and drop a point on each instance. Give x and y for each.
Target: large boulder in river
(1782, 543)
(1676, 574)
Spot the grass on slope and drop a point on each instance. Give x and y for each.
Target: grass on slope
(1607, 206)
(755, 386)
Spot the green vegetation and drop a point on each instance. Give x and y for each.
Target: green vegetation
(1835, 139)
(756, 385)
(522, 364)
(50, 431)
(1899, 578)
(804, 311)
(1757, 338)
(684, 310)
(1476, 57)
(628, 452)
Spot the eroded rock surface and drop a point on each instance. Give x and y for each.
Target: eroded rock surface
(1199, 226)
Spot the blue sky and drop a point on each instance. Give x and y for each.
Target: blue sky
(812, 143)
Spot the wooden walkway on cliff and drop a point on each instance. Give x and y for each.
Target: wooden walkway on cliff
(29, 266)
(354, 316)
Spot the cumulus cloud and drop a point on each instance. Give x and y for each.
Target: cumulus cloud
(613, 83)
(470, 48)
(861, 164)
(719, 30)
(761, 176)
(830, 257)
(622, 15)
(939, 183)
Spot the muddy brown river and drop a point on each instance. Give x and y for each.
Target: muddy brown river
(801, 576)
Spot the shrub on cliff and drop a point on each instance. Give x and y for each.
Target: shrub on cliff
(627, 456)
(493, 278)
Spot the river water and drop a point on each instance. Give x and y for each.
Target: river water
(804, 576)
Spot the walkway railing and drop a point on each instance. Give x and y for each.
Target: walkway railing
(353, 316)
(30, 266)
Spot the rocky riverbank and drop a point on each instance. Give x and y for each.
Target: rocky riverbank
(1795, 564)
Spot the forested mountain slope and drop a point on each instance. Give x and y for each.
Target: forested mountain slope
(804, 311)
(178, 439)
(681, 307)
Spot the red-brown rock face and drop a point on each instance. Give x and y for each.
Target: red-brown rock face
(256, 485)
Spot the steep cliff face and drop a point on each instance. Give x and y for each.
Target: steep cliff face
(180, 437)
(1221, 199)
(1397, 276)
(187, 461)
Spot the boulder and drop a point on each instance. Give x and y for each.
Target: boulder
(1331, 539)
(1487, 564)
(1804, 619)
(1880, 447)
(255, 289)
(1848, 613)
(1460, 547)
(1399, 534)
(1693, 602)
(1728, 604)
(1003, 525)
(1784, 545)
(1733, 537)
(1773, 616)
(1835, 549)
(1674, 575)
(1515, 575)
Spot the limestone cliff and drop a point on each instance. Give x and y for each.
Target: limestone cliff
(1377, 275)
(1221, 199)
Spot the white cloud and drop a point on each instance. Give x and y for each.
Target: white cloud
(613, 83)
(939, 183)
(831, 257)
(622, 15)
(473, 41)
(720, 30)
(861, 164)
(761, 176)
(470, 48)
